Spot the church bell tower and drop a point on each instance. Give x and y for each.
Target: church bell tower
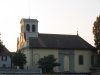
(29, 28)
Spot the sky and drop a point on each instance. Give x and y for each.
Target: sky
(54, 16)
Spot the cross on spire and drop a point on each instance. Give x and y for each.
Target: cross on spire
(77, 32)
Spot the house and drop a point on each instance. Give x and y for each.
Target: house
(5, 57)
(72, 52)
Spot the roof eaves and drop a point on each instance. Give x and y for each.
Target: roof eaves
(63, 48)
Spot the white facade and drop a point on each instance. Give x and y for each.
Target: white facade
(5, 62)
(33, 55)
(85, 67)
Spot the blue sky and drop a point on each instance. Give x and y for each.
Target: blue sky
(55, 16)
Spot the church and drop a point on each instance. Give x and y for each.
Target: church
(71, 51)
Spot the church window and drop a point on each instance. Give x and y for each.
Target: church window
(3, 65)
(92, 60)
(81, 60)
(4, 58)
(36, 58)
(33, 28)
(98, 43)
(28, 27)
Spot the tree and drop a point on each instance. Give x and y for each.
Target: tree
(96, 32)
(19, 59)
(47, 63)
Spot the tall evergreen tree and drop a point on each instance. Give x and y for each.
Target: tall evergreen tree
(96, 32)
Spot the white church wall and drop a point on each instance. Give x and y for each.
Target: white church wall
(6, 62)
(40, 53)
(85, 67)
(27, 54)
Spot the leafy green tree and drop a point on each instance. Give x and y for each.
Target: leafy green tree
(47, 63)
(19, 59)
(96, 32)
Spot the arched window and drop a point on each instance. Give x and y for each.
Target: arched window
(28, 27)
(33, 28)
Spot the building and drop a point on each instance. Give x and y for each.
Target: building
(5, 57)
(72, 52)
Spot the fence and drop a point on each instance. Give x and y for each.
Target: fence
(44, 74)
(19, 72)
(69, 74)
(34, 72)
(40, 74)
